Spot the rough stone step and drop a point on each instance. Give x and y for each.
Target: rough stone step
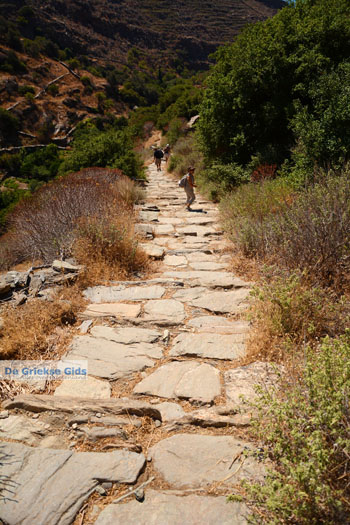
(191, 380)
(112, 294)
(167, 508)
(116, 406)
(50, 486)
(213, 346)
(197, 461)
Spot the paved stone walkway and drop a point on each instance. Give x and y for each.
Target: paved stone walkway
(163, 396)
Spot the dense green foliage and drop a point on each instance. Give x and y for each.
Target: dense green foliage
(305, 427)
(281, 90)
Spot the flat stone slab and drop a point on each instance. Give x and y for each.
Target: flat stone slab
(200, 257)
(175, 260)
(23, 429)
(112, 294)
(166, 508)
(170, 220)
(111, 360)
(214, 346)
(206, 265)
(50, 486)
(220, 325)
(89, 387)
(183, 380)
(156, 252)
(196, 461)
(126, 335)
(164, 229)
(170, 411)
(189, 294)
(113, 310)
(166, 310)
(223, 302)
(242, 381)
(116, 406)
(198, 231)
(209, 279)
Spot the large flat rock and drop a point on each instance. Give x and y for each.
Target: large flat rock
(89, 387)
(167, 310)
(185, 380)
(69, 405)
(241, 382)
(223, 302)
(50, 486)
(165, 508)
(23, 429)
(111, 360)
(113, 294)
(199, 231)
(196, 461)
(220, 325)
(207, 265)
(126, 335)
(214, 346)
(175, 260)
(208, 279)
(112, 310)
(189, 294)
(154, 251)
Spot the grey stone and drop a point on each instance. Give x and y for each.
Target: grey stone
(164, 229)
(65, 267)
(116, 406)
(208, 279)
(220, 325)
(50, 486)
(207, 265)
(208, 418)
(84, 327)
(144, 230)
(156, 252)
(170, 411)
(112, 310)
(127, 335)
(165, 310)
(189, 294)
(170, 220)
(214, 346)
(196, 461)
(242, 381)
(88, 388)
(5, 287)
(111, 360)
(23, 429)
(109, 421)
(55, 442)
(95, 433)
(166, 508)
(184, 379)
(111, 294)
(223, 302)
(4, 414)
(199, 231)
(173, 260)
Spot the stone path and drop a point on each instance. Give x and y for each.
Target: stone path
(163, 397)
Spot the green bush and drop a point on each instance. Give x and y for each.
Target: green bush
(305, 428)
(9, 126)
(53, 90)
(22, 90)
(42, 165)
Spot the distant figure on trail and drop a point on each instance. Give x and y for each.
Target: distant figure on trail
(167, 153)
(158, 155)
(187, 182)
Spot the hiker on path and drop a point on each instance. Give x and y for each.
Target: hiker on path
(188, 186)
(158, 155)
(167, 153)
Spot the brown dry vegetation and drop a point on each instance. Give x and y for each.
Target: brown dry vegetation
(38, 329)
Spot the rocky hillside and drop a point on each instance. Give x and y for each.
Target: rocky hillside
(183, 30)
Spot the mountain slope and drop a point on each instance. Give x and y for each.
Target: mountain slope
(186, 29)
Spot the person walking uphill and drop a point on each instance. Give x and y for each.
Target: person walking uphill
(187, 182)
(158, 155)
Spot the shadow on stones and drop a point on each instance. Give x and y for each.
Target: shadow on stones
(7, 485)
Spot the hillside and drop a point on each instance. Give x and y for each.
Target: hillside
(183, 30)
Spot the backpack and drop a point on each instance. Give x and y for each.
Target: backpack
(158, 154)
(183, 181)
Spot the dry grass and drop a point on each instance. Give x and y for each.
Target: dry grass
(37, 329)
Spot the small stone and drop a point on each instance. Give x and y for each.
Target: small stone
(98, 414)
(100, 490)
(75, 425)
(107, 485)
(35, 416)
(65, 267)
(140, 495)
(4, 414)
(158, 423)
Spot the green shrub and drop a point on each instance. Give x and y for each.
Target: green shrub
(305, 428)
(246, 212)
(85, 80)
(53, 90)
(9, 126)
(23, 90)
(42, 165)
